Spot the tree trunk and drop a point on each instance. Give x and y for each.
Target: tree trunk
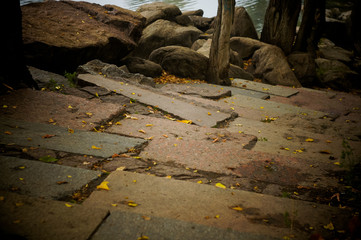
(311, 25)
(280, 23)
(220, 50)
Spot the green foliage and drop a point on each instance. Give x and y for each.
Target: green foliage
(72, 78)
(53, 85)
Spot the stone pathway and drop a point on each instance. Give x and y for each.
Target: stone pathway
(143, 162)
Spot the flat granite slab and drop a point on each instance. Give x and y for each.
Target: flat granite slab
(213, 206)
(129, 225)
(264, 88)
(60, 109)
(62, 139)
(24, 217)
(39, 179)
(185, 110)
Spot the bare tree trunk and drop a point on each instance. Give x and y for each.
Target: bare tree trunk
(280, 23)
(219, 53)
(310, 29)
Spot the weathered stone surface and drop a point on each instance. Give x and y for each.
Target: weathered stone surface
(245, 46)
(202, 23)
(202, 90)
(181, 61)
(272, 67)
(143, 66)
(304, 67)
(158, 10)
(243, 25)
(336, 75)
(198, 12)
(238, 72)
(330, 51)
(60, 35)
(183, 20)
(163, 33)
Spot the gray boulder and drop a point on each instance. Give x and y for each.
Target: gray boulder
(243, 25)
(158, 10)
(336, 75)
(238, 72)
(272, 67)
(181, 61)
(143, 66)
(330, 51)
(245, 46)
(163, 33)
(202, 23)
(304, 67)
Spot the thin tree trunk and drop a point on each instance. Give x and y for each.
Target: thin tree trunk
(220, 49)
(311, 25)
(280, 23)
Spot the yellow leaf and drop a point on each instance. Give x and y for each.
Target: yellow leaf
(146, 218)
(337, 163)
(209, 113)
(289, 138)
(169, 177)
(217, 216)
(96, 94)
(19, 204)
(237, 208)
(103, 186)
(94, 147)
(68, 205)
(261, 107)
(200, 182)
(8, 132)
(70, 107)
(143, 238)
(141, 131)
(309, 140)
(220, 185)
(329, 226)
(149, 125)
(114, 204)
(164, 135)
(2, 198)
(70, 130)
(132, 204)
(185, 121)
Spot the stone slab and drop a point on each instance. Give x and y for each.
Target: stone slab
(39, 179)
(212, 206)
(264, 88)
(24, 217)
(199, 115)
(64, 110)
(212, 91)
(80, 142)
(128, 225)
(273, 109)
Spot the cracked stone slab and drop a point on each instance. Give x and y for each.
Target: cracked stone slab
(199, 115)
(24, 217)
(212, 206)
(129, 225)
(64, 110)
(80, 142)
(264, 88)
(39, 179)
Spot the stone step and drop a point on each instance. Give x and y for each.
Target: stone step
(24, 217)
(241, 211)
(62, 139)
(264, 88)
(45, 180)
(185, 110)
(130, 225)
(273, 109)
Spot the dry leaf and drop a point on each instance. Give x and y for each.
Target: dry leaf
(220, 185)
(185, 121)
(68, 205)
(329, 226)
(237, 208)
(94, 147)
(309, 140)
(141, 131)
(48, 136)
(8, 132)
(103, 186)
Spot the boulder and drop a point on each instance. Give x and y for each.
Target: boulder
(143, 66)
(238, 72)
(163, 33)
(272, 67)
(183, 20)
(198, 44)
(336, 75)
(245, 46)
(202, 23)
(158, 10)
(330, 51)
(198, 12)
(181, 61)
(60, 35)
(304, 67)
(243, 25)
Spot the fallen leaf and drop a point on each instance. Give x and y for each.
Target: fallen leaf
(70, 130)
(169, 177)
(94, 147)
(337, 163)
(217, 216)
(237, 208)
(8, 132)
(2, 198)
(329, 226)
(68, 205)
(114, 204)
(164, 135)
(200, 182)
(143, 238)
(149, 125)
(146, 218)
(115, 155)
(185, 121)
(141, 131)
(19, 204)
(120, 168)
(61, 182)
(48, 159)
(220, 185)
(309, 140)
(103, 186)
(325, 152)
(132, 204)
(209, 113)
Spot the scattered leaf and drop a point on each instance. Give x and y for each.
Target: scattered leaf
(19, 204)
(141, 131)
(164, 135)
(309, 140)
(149, 125)
(120, 168)
(48, 159)
(329, 226)
(146, 218)
(169, 177)
(200, 182)
(70, 130)
(2, 198)
(185, 121)
(132, 204)
(8, 132)
(337, 163)
(61, 182)
(220, 185)
(114, 204)
(209, 113)
(103, 186)
(48, 136)
(94, 147)
(325, 152)
(68, 205)
(237, 208)
(217, 216)
(115, 155)
(143, 238)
